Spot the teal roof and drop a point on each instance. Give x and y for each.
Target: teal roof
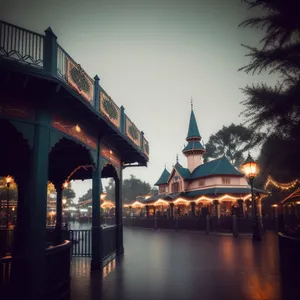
(226, 190)
(220, 166)
(163, 179)
(193, 146)
(178, 165)
(184, 172)
(193, 127)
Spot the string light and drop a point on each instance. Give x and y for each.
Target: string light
(282, 186)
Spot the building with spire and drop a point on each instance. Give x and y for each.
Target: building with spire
(216, 185)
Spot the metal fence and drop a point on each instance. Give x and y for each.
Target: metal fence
(226, 224)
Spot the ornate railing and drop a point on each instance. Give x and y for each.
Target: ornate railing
(146, 147)
(109, 240)
(109, 109)
(21, 44)
(81, 242)
(71, 72)
(132, 132)
(44, 52)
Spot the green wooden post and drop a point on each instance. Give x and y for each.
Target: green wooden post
(142, 141)
(97, 93)
(96, 262)
(50, 52)
(193, 209)
(119, 218)
(58, 225)
(29, 268)
(123, 120)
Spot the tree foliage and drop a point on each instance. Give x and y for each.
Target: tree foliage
(232, 141)
(86, 196)
(274, 108)
(132, 187)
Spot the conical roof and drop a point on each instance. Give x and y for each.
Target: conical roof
(163, 179)
(193, 131)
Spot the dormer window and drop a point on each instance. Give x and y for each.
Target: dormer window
(201, 182)
(226, 180)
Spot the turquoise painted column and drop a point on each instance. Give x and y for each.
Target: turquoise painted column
(96, 262)
(58, 225)
(97, 93)
(50, 52)
(142, 141)
(29, 267)
(119, 219)
(123, 120)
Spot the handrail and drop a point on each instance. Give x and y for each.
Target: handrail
(288, 237)
(44, 52)
(54, 249)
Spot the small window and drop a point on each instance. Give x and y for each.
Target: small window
(226, 180)
(201, 182)
(175, 187)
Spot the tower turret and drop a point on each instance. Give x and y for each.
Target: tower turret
(194, 150)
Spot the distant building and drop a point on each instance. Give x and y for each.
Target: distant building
(214, 187)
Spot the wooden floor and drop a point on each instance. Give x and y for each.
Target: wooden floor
(186, 265)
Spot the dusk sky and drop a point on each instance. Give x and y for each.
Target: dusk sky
(151, 57)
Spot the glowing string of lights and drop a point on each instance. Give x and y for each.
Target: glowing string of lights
(282, 186)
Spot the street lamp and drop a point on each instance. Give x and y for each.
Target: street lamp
(251, 170)
(8, 180)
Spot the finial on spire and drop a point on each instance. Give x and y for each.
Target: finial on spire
(191, 102)
(177, 158)
(165, 166)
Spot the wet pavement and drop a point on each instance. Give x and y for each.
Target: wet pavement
(185, 265)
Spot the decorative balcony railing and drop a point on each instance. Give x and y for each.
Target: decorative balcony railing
(43, 52)
(109, 109)
(132, 132)
(22, 45)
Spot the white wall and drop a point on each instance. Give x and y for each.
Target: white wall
(193, 161)
(217, 181)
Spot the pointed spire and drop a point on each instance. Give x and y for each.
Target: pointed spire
(191, 103)
(193, 132)
(177, 158)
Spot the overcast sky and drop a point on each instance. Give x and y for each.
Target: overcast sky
(151, 57)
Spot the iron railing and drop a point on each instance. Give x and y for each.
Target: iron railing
(81, 242)
(21, 44)
(28, 47)
(223, 224)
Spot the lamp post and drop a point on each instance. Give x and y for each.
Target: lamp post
(8, 180)
(250, 169)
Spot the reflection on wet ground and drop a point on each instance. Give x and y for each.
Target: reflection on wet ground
(185, 265)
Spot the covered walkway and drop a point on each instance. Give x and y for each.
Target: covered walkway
(186, 265)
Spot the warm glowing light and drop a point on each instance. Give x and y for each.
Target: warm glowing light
(64, 201)
(13, 208)
(282, 186)
(102, 196)
(52, 213)
(77, 128)
(137, 204)
(110, 152)
(297, 202)
(8, 180)
(160, 202)
(181, 201)
(66, 184)
(274, 205)
(107, 204)
(250, 167)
